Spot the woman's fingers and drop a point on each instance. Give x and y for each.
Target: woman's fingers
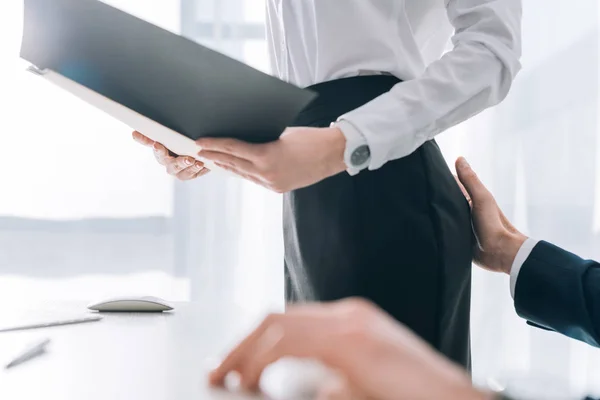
(177, 164)
(239, 164)
(141, 139)
(162, 154)
(195, 171)
(237, 148)
(183, 168)
(248, 177)
(203, 172)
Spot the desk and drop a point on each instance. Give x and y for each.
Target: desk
(125, 356)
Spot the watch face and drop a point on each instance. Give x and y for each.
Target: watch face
(360, 156)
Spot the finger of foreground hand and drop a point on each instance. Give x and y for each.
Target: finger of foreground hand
(262, 346)
(232, 361)
(297, 333)
(339, 389)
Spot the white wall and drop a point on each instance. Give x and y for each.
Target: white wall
(59, 157)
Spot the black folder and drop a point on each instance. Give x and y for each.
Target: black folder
(171, 89)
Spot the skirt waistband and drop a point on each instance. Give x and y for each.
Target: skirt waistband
(340, 96)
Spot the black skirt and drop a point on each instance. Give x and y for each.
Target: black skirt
(399, 236)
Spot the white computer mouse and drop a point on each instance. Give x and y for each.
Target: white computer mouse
(295, 379)
(131, 304)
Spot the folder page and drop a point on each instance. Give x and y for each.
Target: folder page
(171, 89)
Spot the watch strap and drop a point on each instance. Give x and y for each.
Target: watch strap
(357, 154)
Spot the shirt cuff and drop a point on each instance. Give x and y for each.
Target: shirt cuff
(371, 120)
(353, 140)
(520, 258)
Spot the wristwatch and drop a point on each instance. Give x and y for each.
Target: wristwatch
(357, 154)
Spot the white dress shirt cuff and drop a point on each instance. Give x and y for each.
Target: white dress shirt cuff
(353, 139)
(522, 255)
(387, 131)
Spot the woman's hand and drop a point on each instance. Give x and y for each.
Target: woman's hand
(380, 358)
(299, 158)
(183, 168)
(498, 240)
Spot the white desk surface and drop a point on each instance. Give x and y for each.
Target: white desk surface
(148, 356)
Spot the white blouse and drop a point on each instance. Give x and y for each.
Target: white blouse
(312, 41)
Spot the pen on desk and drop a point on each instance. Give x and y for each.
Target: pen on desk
(31, 352)
(51, 323)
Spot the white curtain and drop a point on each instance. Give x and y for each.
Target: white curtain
(85, 212)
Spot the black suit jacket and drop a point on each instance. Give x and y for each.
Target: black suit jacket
(560, 291)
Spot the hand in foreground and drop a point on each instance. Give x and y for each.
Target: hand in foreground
(379, 357)
(299, 158)
(183, 168)
(498, 240)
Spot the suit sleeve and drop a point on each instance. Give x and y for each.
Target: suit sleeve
(560, 291)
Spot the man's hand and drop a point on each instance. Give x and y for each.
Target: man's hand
(372, 352)
(183, 168)
(300, 158)
(498, 240)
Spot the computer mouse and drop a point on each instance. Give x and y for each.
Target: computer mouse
(131, 304)
(295, 379)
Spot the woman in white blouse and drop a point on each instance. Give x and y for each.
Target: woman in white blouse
(370, 207)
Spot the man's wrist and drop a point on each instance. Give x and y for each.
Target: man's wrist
(509, 247)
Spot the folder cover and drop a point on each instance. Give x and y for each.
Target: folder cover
(171, 89)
